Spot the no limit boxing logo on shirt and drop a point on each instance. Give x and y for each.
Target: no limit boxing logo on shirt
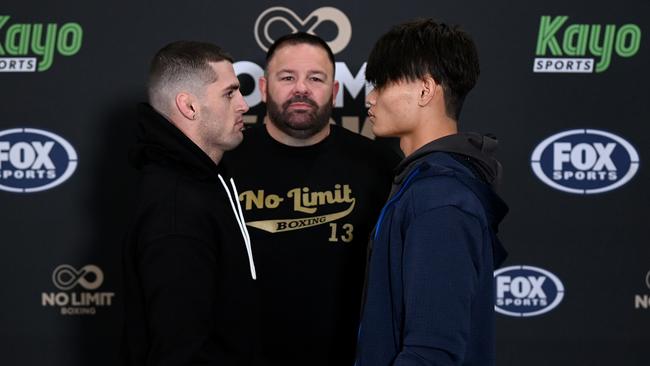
(525, 291)
(30, 47)
(33, 160)
(585, 161)
(582, 48)
(67, 278)
(310, 208)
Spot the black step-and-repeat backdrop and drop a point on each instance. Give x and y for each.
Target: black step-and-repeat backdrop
(564, 85)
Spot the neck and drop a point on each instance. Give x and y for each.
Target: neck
(214, 154)
(427, 131)
(281, 137)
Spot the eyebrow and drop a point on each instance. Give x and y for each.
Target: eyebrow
(308, 71)
(233, 86)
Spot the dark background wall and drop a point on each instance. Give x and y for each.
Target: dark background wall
(60, 247)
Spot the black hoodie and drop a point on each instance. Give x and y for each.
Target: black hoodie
(190, 296)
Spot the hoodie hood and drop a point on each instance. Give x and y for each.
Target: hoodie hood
(159, 142)
(476, 153)
(475, 150)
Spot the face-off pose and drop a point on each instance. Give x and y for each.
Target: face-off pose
(429, 296)
(189, 272)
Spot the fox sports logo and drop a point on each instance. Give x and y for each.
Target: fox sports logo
(33, 160)
(524, 291)
(585, 161)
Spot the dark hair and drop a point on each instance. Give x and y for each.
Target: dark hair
(182, 62)
(421, 48)
(293, 39)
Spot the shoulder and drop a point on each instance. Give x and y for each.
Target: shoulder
(434, 190)
(358, 146)
(168, 202)
(253, 135)
(343, 136)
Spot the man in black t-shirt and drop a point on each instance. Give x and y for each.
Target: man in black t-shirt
(311, 193)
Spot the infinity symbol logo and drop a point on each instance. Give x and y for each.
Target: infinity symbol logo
(647, 279)
(66, 277)
(290, 19)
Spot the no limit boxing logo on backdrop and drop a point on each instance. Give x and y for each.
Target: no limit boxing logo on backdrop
(585, 161)
(643, 301)
(582, 48)
(283, 21)
(30, 47)
(67, 278)
(33, 160)
(525, 291)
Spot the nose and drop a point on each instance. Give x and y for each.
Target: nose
(300, 87)
(243, 106)
(371, 98)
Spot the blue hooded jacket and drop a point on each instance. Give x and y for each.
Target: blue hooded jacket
(430, 295)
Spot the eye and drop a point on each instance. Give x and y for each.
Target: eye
(286, 78)
(317, 79)
(230, 94)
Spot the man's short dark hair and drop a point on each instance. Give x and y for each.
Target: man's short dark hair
(293, 39)
(182, 64)
(414, 50)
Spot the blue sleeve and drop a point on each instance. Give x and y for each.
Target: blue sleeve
(439, 278)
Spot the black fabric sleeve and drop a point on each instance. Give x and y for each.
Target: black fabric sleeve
(179, 278)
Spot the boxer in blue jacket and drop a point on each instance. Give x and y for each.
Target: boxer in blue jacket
(429, 295)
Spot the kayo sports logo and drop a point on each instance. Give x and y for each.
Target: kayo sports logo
(284, 18)
(585, 161)
(34, 160)
(570, 53)
(524, 291)
(22, 42)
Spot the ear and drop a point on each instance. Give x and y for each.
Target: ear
(335, 91)
(263, 87)
(428, 90)
(186, 105)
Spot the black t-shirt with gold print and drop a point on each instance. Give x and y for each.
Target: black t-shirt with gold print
(310, 211)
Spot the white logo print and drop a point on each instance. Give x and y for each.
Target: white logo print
(65, 277)
(585, 161)
(33, 160)
(308, 25)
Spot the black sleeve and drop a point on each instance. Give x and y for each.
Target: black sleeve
(178, 278)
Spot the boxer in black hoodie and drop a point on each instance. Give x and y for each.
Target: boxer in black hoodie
(188, 265)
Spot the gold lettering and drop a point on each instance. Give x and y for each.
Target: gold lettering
(306, 201)
(273, 201)
(250, 198)
(297, 201)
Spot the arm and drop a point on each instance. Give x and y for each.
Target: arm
(439, 277)
(178, 278)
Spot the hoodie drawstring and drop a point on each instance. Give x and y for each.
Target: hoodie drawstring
(239, 216)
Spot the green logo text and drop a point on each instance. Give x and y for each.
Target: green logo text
(586, 40)
(22, 40)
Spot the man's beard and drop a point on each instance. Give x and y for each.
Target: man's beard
(299, 124)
